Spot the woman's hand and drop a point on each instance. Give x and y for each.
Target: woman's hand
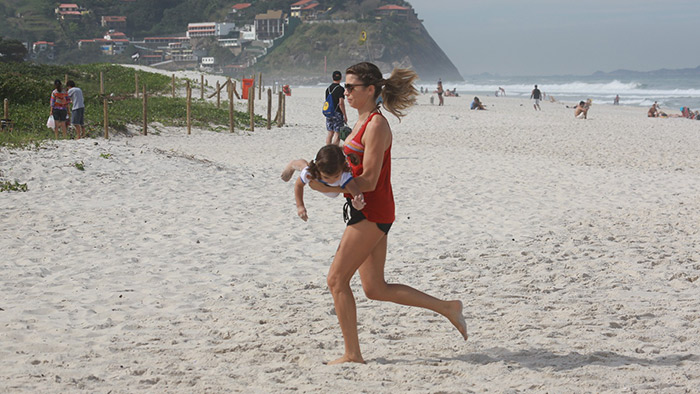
(358, 202)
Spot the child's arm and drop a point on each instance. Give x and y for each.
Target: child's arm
(299, 198)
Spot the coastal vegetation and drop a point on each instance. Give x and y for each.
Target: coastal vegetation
(28, 88)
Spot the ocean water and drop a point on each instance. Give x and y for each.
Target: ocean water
(670, 93)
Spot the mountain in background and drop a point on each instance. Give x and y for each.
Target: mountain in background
(308, 51)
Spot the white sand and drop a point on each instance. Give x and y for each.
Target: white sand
(178, 264)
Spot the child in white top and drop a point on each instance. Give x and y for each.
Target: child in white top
(331, 168)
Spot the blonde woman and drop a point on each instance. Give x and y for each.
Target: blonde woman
(363, 245)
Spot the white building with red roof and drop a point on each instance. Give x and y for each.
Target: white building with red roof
(304, 9)
(68, 11)
(113, 22)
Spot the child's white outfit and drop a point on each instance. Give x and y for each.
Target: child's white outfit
(345, 177)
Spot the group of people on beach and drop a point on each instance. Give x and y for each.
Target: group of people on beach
(656, 112)
(361, 171)
(60, 101)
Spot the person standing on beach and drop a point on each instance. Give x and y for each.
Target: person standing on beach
(339, 118)
(77, 108)
(537, 96)
(617, 100)
(363, 245)
(59, 108)
(440, 92)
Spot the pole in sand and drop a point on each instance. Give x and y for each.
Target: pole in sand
(102, 83)
(269, 107)
(106, 118)
(136, 84)
(230, 109)
(172, 85)
(218, 94)
(201, 84)
(145, 111)
(189, 111)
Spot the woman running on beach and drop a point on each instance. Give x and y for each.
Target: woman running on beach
(363, 245)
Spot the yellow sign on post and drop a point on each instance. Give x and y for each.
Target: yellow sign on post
(363, 36)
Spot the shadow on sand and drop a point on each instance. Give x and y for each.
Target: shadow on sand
(537, 359)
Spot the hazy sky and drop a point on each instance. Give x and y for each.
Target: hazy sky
(552, 37)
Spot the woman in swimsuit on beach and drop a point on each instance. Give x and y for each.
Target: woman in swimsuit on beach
(363, 245)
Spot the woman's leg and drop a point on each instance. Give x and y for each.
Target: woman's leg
(357, 244)
(376, 288)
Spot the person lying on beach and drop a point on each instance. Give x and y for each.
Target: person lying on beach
(581, 110)
(477, 104)
(330, 168)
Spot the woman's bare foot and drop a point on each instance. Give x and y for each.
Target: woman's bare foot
(347, 359)
(455, 316)
(287, 173)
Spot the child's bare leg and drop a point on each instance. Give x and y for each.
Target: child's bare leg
(294, 165)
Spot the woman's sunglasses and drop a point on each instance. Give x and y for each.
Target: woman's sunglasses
(351, 86)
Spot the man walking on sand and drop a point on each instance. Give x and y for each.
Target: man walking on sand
(536, 95)
(337, 118)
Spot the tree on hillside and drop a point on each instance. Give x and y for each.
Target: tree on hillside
(12, 51)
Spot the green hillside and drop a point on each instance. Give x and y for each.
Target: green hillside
(302, 52)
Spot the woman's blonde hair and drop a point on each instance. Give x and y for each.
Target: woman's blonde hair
(397, 92)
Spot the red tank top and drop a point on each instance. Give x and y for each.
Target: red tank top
(380, 201)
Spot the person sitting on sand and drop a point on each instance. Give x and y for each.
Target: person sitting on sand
(581, 110)
(330, 168)
(477, 104)
(653, 111)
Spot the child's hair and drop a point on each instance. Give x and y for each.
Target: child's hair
(330, 160)
(58, 85)
(397, 92)
(70, 84)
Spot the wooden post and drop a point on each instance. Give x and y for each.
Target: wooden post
(279, 109)
(102, 83)
(218, 94)
(230, 110)
(172, 85)
(260, 87)
(106, 118)
(233, 87)
(136, 84)
(65, 80)
(201, 84)
(189, 110)
(6, 109)
(145, 111)
(251, 107)
(269, 108)
(284, 109)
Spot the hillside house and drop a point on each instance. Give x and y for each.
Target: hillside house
(304, 9)
(209, 29)
(400, 13)
(43, 47)
(240, 8)
(114, 22)
(270, 25)
(68, 11)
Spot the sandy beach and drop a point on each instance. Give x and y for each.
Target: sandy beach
(176, 263)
